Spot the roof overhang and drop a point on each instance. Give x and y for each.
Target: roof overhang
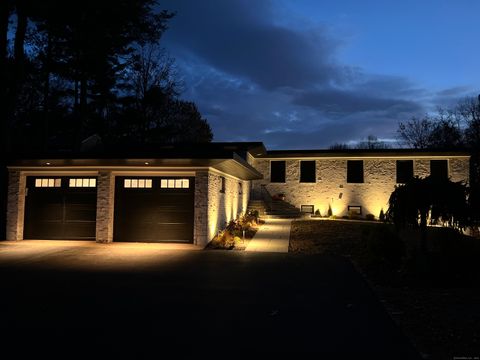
(234, 166)
(361, 153)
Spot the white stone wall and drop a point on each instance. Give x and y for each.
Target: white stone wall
(15, 205)
(225, 206)
(332, 189)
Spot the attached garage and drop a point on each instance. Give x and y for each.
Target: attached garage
(59, 207)
(159, 193)
(154, 209)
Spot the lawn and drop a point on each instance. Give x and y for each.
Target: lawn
(433, 297)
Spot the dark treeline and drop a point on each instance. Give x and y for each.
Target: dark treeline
(77, 70)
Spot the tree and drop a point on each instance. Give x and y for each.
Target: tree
(372, 142)
(339, 146)
(84, 46)
(429, 200)
(415, 133)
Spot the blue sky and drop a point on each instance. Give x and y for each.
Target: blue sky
(307, 74)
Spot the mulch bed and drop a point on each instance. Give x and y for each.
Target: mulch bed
(239, 245)
(442, 320)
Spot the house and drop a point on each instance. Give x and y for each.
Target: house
(187, 193)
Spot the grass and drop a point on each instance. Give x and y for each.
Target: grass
(433, 297)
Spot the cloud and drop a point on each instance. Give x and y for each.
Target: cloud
(255, 78)
(341, 102)
(243, 40)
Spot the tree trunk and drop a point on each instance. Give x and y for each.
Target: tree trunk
(82, 118)
(46, 94)
(5, 9)
(18, 73)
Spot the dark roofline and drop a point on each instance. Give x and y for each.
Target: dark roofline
(213, 150)
(363, 153)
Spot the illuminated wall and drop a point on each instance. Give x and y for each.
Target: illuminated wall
(16, 205)
(226, 205)
(331, 187)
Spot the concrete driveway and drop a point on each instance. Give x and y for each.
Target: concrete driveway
(104, 300)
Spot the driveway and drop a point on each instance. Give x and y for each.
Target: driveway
(87, 300)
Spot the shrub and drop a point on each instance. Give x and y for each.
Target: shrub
(329, 213)
(381, 217)
(224, 240)
(370, 217)
(317, 212)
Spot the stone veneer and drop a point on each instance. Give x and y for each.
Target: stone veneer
(331, 187)
(105, 206)
(16, 205)
(214, 208)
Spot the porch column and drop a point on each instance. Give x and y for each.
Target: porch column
(105, 206)
(15, 205)
(200, 226)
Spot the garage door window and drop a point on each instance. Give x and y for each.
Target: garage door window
(44, 183)
(82, 182)
(137, 183)
(174, 183)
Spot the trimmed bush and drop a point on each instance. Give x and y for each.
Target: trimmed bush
(370, 217)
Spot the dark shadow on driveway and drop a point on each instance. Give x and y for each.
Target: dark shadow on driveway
(210, 303)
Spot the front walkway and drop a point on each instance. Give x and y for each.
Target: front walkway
(273, 236)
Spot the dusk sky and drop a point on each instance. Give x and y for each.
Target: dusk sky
(306, 74)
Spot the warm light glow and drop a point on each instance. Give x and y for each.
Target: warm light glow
(137, 183)
(82, 182)
(52, 182)
(174, 183)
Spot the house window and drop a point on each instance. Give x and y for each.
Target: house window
(174, 183)
(307, 209)
(52, 182)
(404, 171)
(137, 183)
(439, 169)
(222, 185)
(354, 210)
(277, 171)
(307, 171)
(240, 188)
(354, 171)
(82, 182)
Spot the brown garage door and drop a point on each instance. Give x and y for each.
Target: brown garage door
(154, 209)
(60, 208)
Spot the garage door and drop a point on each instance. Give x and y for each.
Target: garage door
(60, 208)
(154, 209)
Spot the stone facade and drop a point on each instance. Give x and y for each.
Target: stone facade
(105, 206)
(227, 204)
(200, 217)
(332, 190)
(220, 197)
(15, 205)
